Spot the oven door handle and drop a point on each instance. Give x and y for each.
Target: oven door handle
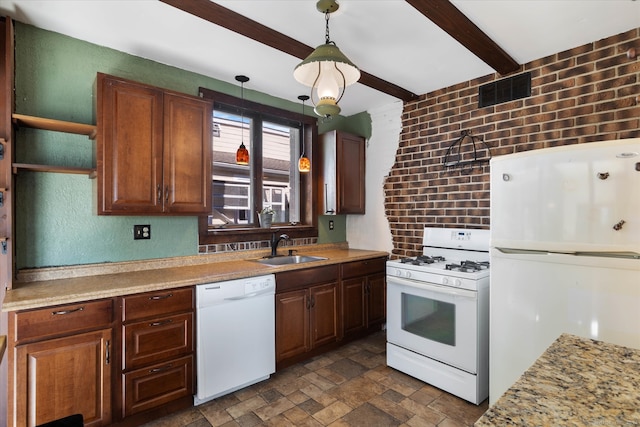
(445, 290)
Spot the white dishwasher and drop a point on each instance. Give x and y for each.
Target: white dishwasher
(235, 335)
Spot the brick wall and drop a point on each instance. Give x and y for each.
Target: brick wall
(590, 93)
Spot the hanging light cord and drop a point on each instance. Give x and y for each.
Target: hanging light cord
(327, 39)
(242, 113)
(302, 127)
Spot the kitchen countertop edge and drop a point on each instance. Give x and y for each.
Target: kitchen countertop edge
(44, 293)
(576, 381)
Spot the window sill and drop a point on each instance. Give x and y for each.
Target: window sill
(242, 234)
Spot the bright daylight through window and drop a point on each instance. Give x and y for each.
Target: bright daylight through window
(273, 156)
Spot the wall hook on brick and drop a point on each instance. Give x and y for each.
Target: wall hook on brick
(631, 53)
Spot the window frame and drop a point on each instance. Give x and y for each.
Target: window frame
(308, 226)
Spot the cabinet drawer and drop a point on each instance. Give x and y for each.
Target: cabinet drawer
(159, 339)
(63, 319)
(363, 268)
(153, 304)
(157, 385)
(306, 277)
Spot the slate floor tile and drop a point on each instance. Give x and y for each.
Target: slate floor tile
(348, 387)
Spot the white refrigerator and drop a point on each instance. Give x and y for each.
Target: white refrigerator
(565, 252)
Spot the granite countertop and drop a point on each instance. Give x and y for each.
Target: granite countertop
(65, 285)
(576, 382)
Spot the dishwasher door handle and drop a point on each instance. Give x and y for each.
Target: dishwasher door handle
(241, 297)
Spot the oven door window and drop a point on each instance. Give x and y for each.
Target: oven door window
(429, 318)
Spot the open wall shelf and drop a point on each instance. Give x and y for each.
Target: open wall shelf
(57, 169)
(57, 126)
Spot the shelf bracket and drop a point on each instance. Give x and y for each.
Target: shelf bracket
(1, 198)
(4, 247)
(2, 143)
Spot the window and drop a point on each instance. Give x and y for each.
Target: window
(273, 138)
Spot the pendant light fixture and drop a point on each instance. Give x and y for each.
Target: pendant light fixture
(242, 155)
(304, 165)
(326, 70)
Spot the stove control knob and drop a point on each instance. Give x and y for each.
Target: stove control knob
(398, 272)
(408, 274)
(445, 280)
(457, 282)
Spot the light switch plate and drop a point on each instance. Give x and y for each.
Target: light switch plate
(141, 232)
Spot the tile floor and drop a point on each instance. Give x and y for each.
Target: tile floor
(351, 386)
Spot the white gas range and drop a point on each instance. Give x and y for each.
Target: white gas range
(438, 312)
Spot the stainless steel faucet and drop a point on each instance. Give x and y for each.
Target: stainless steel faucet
(274, 243)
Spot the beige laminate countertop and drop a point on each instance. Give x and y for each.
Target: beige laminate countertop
(110, 280)
(576, 382)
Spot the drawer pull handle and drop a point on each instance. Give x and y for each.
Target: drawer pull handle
(157, 297)
(164, 368)
(61, 312)
(162, 322)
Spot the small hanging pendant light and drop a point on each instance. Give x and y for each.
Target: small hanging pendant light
(242, 155)
(304, 165)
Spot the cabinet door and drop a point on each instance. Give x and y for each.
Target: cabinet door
(354, 299)
(129, 147)
(377, 302)
(64, 376)
(350, 160)
(292, 324)
(187, 154)
(323, 314)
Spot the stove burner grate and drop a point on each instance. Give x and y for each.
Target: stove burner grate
(468, 266)
(422, 259)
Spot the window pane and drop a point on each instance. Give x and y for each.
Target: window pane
(231, 192)
(279, 156)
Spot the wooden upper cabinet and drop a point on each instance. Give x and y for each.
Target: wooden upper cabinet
(343, 173)
(187, 153)
(153, 149)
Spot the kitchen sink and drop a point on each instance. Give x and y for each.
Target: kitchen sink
(291, 259)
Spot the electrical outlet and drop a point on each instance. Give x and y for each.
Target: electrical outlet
(330, 224)
(141, 232)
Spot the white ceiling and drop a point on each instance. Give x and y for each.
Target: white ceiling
(386, 38)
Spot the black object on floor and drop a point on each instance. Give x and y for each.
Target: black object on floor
(70, 421)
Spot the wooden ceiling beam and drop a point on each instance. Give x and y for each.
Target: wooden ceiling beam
(219, 15)
(449, 18)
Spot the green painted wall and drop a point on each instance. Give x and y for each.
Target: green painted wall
(339, 232)
(56, 220)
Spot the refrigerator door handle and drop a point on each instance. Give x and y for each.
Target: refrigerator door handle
(512, 251)
(602, 254)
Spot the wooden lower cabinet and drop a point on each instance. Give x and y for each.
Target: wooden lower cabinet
(60, 364)
(363, 296)
(156, 385)
(65, 376)
(307, 303)
(156, 368)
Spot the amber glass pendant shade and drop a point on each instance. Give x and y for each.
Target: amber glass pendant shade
(242, 155)
(304, 165)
